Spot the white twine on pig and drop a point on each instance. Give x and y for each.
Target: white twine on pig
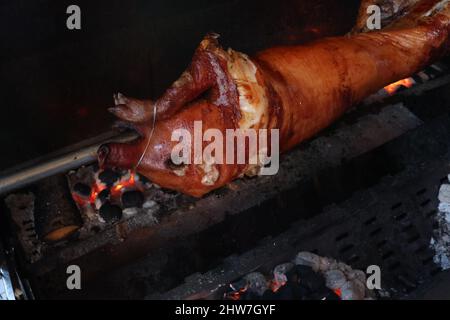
(149, 138)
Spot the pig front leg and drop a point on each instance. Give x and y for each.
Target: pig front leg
(198, 78)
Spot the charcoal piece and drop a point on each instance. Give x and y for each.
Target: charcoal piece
(353, 290)
(82, 189)
(314, 281)
(286, 292)
(110, 212)
(109, 177)
(132, 199)
(299, 291)
(269, 295)
(280, 271)
(308, 259)
(257, 283)
(104, 195)
(249, 296)
(335, 279)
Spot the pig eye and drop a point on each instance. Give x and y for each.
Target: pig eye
(172, 166)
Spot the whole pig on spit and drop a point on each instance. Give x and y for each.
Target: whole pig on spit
(298, 90)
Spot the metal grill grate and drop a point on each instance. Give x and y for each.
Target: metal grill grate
(389, 225)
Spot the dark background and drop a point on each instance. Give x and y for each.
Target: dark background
(57, 83)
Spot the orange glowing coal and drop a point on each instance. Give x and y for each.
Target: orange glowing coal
(131, 182)
(338, 292)
(96, 188)
(393, 87)
(276, 285)
(238, 294)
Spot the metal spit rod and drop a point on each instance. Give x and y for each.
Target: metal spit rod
(70, 158)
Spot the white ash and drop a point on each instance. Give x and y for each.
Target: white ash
(440, 242)
(335, 279)
(91, 221)
(84, 175)
(130, 211)
(445, 208)
(257, 283)
(98, 203)
(444, 194)
(338, 275)
(280, 271)
(21, 207)
(150, 205)
(308, 259)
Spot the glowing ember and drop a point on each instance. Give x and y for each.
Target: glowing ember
(237, 293)
(338, 292)
(393, 87)
(131, 182)
(96, 188)
(276, 285)
(79, 199)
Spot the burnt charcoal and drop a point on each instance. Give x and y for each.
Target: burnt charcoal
(287, 292)
(109, 177)
(110, 213)
(104, 195)
(269, 295)
(257, 283)
(292, 275)
(132, 199)
(312, 280)
(299, 291)
(82, 189)
(251, 296)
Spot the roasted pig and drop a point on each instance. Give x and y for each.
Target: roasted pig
(299, 90)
